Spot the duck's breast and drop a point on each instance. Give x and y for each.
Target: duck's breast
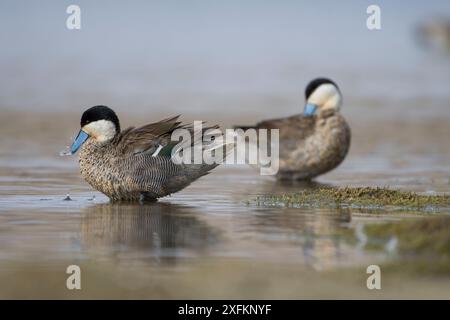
(104, 170)
(323, 150)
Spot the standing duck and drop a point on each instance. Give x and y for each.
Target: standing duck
(135, 164)
(316, 141)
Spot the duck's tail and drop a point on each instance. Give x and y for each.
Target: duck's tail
(208, 148)
(212, 152)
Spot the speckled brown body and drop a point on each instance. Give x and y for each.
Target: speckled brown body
(310, 146)
(134, 177)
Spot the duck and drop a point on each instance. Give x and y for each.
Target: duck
(315, 141)
(434, 35)
(135, 164)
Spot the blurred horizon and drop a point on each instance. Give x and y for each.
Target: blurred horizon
(213, 57)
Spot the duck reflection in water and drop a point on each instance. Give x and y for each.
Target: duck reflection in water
(155, 230)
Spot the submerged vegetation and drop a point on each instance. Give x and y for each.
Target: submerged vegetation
(424, 243)
(366, 197)
(418, 236)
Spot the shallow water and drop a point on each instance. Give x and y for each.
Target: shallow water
(227, 63)
(210, 240)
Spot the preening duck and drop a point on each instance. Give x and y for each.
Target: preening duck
(315, 141)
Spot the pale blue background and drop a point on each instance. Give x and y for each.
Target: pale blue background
(186, 55)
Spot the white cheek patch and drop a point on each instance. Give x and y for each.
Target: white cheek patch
(101, 130)
(326, 96)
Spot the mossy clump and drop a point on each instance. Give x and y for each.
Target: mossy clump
(366, 197)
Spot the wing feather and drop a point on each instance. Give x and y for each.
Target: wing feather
(147, 138)
(151, 137)
(296, 127)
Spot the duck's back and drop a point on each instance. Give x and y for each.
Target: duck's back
(310, 146)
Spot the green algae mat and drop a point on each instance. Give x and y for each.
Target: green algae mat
(381, 198)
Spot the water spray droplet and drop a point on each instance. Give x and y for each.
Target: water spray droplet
(66, 152)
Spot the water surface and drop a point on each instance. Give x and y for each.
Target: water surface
(208, 241)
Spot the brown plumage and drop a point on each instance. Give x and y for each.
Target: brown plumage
(311, 145)
(136, 163)
(148, 137)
